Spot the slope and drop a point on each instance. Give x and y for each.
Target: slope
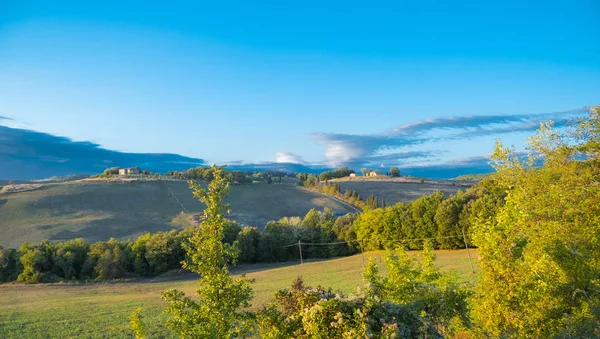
(98, 210)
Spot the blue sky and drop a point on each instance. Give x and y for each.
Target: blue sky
(392, 83)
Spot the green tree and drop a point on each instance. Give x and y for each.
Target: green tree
(36, 262)
(423, 216)
(447, 218)
(220, 309)
(248, 240)
(539, 254)
(364, 171)
(69, 257)
(325, 176)
(369, 227)
(9, 264)
(394, 172)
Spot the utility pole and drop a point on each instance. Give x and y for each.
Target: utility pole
(468, 252)
(300, 250)
(362, 252)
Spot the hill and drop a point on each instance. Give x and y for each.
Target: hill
(102, 310)
(395, 190)
(97, 210)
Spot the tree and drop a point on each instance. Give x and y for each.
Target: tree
(248, 239)
(9, 264)
(423, 216)
(539, 254)
(447, 218)
(394, 172)
(221, 307)
(364, 171)
(325, 176)
(36, 262)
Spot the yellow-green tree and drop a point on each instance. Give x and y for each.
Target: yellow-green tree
(220, 309)
(540, 255)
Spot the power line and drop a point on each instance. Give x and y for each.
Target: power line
(173, 194)
(361, 241)
(372, 239)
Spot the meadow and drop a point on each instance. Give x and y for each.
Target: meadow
(394, 191)
(97, 210)
(102, 310)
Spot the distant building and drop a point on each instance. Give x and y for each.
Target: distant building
(352, 175)
(375, 173)
(132, 170)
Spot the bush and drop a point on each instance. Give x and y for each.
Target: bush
(412, 301)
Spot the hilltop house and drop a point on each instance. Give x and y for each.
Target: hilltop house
(132, 170)
(375, 173)
(352, 175)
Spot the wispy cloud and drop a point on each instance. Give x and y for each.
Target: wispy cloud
(356, 149)
(5, 118)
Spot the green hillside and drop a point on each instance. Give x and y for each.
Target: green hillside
(102, 310)
(98, 210)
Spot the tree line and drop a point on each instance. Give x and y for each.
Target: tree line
(206, 173)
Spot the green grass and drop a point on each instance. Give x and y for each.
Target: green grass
(102, 310)
(98, 210)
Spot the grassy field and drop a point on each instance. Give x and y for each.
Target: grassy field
(395, 191)
(98, 210)
(101, 310)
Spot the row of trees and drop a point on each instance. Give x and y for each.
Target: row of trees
(445, 221)
(336, 173)
(76, 259)
(206, 173)
(310, 180)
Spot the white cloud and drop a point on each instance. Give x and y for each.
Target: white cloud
(290, 158)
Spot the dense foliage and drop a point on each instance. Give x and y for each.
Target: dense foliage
(445, 221)
(413, 300)
(540, 254)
